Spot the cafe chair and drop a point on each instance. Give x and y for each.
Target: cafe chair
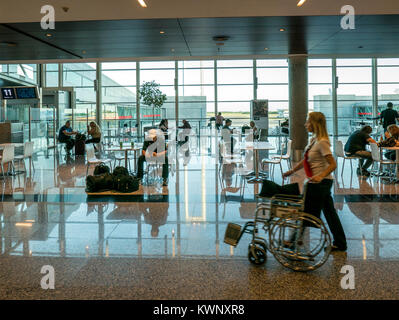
(272, 162)
(340, 153)
(28, 153)
(7, 157)
(377, 158)
(92, 160)
(287, 155)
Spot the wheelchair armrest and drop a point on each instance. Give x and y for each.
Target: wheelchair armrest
(287, 197)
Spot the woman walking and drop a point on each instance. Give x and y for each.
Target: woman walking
(319, 163)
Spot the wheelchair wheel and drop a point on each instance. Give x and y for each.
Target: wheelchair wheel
(257, 253)
(300, 242)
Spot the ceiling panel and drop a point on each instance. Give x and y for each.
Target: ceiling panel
(194, 37)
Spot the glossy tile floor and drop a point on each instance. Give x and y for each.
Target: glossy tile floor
(167, 242)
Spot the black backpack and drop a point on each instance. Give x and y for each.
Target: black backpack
(80, 137)
(101, 169)
(123, 183)
(120, 171)
(102, 182)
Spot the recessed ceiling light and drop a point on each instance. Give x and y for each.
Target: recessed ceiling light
(360, 47)
(301, 2)
(282, 29)
(48, 35)
(84, 51)
(142, 3)
(266, 49)
(161, 32)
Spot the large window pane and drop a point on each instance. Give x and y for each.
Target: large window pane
(353, 75)
(235, 92)
(235, 76)
(272, 75)
(273, 92)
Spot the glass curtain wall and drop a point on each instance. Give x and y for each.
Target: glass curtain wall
(235, 90)
(163, 73)
(272, 77)
(81, 77)
(196, 83)
(24, 71)
(388, 83)
(354, 95)
(119, 100)
(51, 70)
(320, 89)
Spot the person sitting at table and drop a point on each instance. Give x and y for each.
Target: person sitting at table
(152, 138)
(94, 131)
(392, 133)
(163, 125)
(219, 121)
(254, 130)
(186, 132)
(356, 146)
(65, 136)
(226, 131)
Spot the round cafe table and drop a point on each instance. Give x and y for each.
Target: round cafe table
(256, 146)
(397, 159)
(126, 148)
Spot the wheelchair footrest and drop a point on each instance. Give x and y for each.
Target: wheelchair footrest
(233, 234)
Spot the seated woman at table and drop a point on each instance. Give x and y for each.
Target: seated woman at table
(94, 130)
(152, 138)
(393, 134)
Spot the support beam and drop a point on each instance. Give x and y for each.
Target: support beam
(298, 103)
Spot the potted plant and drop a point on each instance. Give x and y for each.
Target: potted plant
(151, 95)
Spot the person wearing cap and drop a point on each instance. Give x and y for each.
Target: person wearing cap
(152, 138)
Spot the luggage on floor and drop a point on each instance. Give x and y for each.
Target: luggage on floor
(120, 171)
(80, 148)
(123, 183)
(102, 182)
(101, 168)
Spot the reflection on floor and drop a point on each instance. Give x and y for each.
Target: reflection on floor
(46, 217)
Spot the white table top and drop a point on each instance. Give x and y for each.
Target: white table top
(137, 146)
(257, 145)
(391, 148)
(16, 145)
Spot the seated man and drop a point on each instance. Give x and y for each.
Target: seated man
(152, 138)
(94, 130)
(356, 146)
(65, 136)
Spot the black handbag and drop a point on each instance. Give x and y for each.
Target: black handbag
(101, 169)
(102, 182)
(120, 171)
(126, 184)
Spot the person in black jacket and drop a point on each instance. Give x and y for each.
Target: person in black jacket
(356, 146)
(388, 116)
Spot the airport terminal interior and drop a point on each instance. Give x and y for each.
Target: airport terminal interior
(213, 68)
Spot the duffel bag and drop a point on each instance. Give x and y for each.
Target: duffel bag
(120, 171)
(126, 184)
(101, 169)
(99, 183)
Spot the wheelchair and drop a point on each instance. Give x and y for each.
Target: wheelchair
(297, 240)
